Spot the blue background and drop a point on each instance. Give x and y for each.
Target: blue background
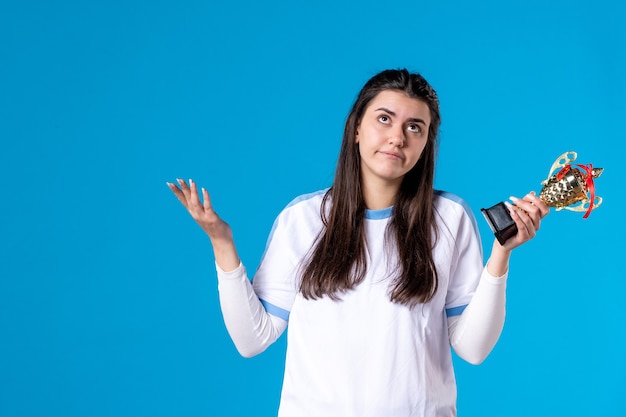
(108, 298)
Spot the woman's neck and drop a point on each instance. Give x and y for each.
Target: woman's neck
(379, 195)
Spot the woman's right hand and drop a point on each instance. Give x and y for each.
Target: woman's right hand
(202, 212)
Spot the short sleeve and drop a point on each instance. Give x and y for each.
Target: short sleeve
(467, 263)
(291, 238)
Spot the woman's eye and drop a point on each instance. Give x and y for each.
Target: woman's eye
(383, 119)
(414, 128)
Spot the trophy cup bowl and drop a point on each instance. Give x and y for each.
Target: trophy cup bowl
(571, 188)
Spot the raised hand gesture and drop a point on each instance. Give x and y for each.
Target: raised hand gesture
(218, 230)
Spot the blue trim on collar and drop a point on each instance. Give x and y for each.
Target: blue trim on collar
(378, 214)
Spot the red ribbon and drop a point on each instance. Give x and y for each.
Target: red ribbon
(588, 182)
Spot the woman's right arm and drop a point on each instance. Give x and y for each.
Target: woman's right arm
(251, 328)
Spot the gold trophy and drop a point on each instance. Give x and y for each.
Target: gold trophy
(571, 188)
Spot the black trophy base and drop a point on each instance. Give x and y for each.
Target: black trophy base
(500, 222)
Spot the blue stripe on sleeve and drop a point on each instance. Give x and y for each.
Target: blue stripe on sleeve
(455, 311)
(275, 311)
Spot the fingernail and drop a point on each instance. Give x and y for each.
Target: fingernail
(190, 181)
(514, 198)
(510, 207)
(179, 180)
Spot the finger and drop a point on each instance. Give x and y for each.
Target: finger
(193, 196)
(523, 221)
(172, 187)
(178, 193)
(534, 207)
(206, 199)
(539, 203)
(196, 208)
(184, 188)
(525, 210)
(525, 204)
(528, 224)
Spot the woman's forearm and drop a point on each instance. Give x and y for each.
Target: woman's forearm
(250, 327)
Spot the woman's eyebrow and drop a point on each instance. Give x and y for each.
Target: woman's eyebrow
(386, 110)
(410, 119)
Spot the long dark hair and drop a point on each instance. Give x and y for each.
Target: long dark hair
(337, 262)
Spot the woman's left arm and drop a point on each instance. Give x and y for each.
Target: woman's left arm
(475, 332)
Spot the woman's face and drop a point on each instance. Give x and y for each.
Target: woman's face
(391, 135)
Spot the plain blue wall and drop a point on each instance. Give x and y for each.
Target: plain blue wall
(108, 298)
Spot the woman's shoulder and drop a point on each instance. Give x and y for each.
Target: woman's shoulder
(457, 217)
(313, 198)
(304, 206)
(447, 201)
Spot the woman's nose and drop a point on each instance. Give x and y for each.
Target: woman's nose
(396, 137)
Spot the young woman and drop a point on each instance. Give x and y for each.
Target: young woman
(377, 276)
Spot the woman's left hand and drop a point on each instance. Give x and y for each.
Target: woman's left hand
(527, 213)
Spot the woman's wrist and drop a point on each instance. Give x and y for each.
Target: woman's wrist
(226, 256)
(498, 263)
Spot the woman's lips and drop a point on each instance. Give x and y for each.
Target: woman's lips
(392, 155)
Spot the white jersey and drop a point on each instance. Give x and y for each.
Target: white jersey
(364, 355)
